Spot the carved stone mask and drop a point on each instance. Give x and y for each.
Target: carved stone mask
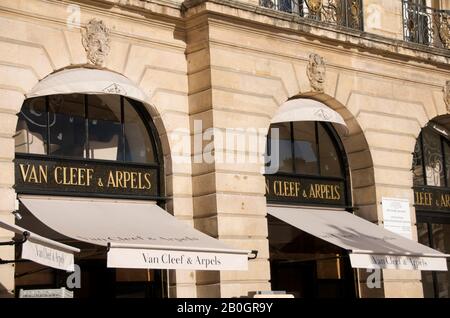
(96, 40)
(316, 72)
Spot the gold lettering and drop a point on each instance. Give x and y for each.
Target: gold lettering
(424, 198)
(119, 179)
(111, 180)
(297, 189)
(43, 173)
(133, 180)
(147, 177)
(338, 193)
(89, 173)
(126, 178)
(31, 174)
(24, 171)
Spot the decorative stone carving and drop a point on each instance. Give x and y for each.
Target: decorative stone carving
(314, 5)
(96, 40)
(316, 72)
(447, 95)
(444, 31)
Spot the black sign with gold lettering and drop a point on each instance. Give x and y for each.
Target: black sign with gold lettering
(57, 176)
(432, 199)
(304, 190)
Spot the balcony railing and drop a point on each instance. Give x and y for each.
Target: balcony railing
(345, 13)
(425, 25)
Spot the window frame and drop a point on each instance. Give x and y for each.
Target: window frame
(343, 163)
(152, 134)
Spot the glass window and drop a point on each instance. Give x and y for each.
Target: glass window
(305, 148)
(447, 161)
(67, 125)
(441, 242)
(31, 132)
(432, 154)
(285, 146)
(138, 146)
(418, 177)
(435, 282)
(330, 165)
(105, 128)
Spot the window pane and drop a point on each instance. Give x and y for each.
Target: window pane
(417, 167)
(284, 146)
(105, 129)
(329, 160)
(447, 161)
(433, 158)
(31, 131)
(427, 277)
(441, 242)
(67, 125)
(138, 145)
(305, 148)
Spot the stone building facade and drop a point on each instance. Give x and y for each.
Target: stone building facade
(231, 64)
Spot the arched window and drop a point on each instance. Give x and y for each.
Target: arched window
(431, 177)
(431, 161)
(99, 127)
(311, 152)
(312, 172)
(87, 144)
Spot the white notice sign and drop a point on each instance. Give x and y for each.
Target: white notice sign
(45, 293)
(48, 256)
(397, 216)
(173, 259)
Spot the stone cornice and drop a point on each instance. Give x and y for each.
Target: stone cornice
(345, 37)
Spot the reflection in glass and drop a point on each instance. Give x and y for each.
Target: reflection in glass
(329, 160)
(417, 167)
(447, 161)
(105, 129)
(67, 125)
(441, 242)
(306, 266)
(31, 132)
(285, 147)
(433, 158)
(138, 146)
(305, 148)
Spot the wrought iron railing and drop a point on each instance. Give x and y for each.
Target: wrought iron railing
(425, 25)
(346, 13)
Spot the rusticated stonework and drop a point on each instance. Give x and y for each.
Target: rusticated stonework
(96, 41)
(316, 72)
(447, 95)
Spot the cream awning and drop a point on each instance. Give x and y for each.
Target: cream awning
(140, 234)
(44, 251)
(370, 246)
(303, 109)
(87, 81)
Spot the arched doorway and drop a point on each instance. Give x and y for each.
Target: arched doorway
(313, 173)
(74, 134)
(431, 177)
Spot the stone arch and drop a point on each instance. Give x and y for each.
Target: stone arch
(361, 168)
(149, 107)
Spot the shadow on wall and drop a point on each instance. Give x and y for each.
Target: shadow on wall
(4, 292)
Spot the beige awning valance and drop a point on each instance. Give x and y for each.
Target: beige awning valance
(44, 251)
(139, 234)
(87, 81)
(302, 109)
(370, 246)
